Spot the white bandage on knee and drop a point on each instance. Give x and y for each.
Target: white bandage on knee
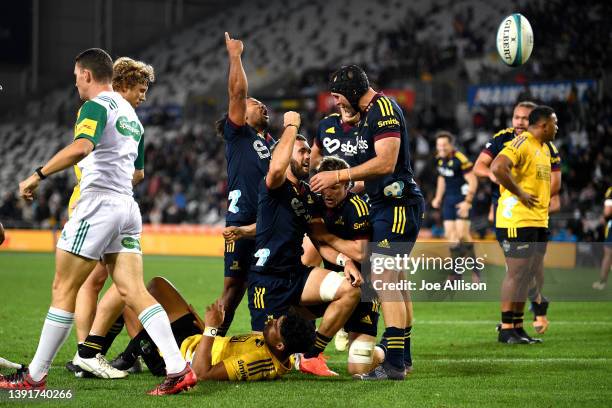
(361, 352)
(330, 286)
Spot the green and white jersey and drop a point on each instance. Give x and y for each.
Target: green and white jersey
(111, 124)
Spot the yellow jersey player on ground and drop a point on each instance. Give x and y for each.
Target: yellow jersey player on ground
(131, 79)
(606, 262)
(242, 357)
(248, 357)
(523, 169)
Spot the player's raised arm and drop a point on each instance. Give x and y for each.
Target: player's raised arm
(237, 85)
(282, 152)
(202, 360)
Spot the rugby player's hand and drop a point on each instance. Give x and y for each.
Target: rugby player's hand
(349, 117)
(234, 47)
(435, 203)
(527, 199)
(463, 209)
(215, 314)
(352, 274)
(292, 118)
(323, 180)
(493, 178)
(28, 186)
(232, 233)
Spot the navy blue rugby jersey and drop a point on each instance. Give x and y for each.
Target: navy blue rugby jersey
(335, 138)
(453, 168)
(385, 118)
(349, 221)
(248, 157)
(283, 217)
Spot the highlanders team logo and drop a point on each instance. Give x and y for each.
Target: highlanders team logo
(129, 128)
(130, 243)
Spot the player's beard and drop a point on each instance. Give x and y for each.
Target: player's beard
(298, 171)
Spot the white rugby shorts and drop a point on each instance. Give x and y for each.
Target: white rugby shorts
(102, 223)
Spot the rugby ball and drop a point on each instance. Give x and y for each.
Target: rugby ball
(514, 40)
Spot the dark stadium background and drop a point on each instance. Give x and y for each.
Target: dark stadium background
(430, 55)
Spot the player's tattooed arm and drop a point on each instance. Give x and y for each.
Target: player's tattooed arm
(202, 360)
(501, 167)
(237, 84)
(281, 157)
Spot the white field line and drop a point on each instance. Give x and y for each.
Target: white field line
(489, 360)
(520, 360)
(494, 322)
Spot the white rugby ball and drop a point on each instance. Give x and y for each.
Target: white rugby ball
(514, 40)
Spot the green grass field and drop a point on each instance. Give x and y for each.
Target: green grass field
(457, 359)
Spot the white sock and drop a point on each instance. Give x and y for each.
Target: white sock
(54, 332)
(155, 321)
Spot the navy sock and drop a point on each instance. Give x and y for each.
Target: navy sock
(407, 351)
(319, 345)
(395, 346)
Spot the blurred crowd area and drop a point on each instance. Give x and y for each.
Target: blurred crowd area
(185, 176)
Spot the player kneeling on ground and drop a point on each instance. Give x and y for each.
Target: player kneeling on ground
(345, 236)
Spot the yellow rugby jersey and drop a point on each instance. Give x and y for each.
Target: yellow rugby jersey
(531, 171)
(245, 357)
(76, 191)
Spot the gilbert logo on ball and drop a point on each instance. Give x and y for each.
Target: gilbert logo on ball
(514, 40)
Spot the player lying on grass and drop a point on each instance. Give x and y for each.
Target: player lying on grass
(248, 357)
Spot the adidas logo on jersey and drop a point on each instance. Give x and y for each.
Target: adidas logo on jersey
(384, 244)
(366, 319)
